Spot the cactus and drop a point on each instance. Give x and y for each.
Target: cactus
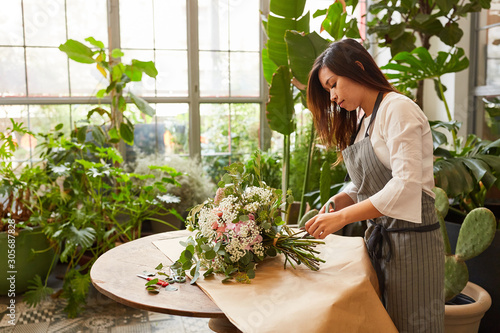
(313, 212)
(307, 216)
(476, 234)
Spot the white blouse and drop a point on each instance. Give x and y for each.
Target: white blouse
(402, 140)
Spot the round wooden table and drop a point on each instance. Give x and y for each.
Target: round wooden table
(114, 274)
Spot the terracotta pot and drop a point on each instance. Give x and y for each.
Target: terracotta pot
(466, 318)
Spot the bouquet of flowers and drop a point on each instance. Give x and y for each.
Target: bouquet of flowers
(240, 227)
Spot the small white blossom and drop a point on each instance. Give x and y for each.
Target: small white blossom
(169, 198)
(60, 169)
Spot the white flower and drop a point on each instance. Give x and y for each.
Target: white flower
(93, 172)
(169, 198)
(254, 193)
(60, 169)
(252, 207)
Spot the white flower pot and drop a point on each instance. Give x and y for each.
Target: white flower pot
(466, 318)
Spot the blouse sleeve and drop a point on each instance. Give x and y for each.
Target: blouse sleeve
(402, 127)
(352, 191)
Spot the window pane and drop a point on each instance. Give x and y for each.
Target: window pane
(47, 72)
(79, 114)
(172, 79)
(173, 122)
(136, 24)
(491, 130)
(170, 24)
(25, 142)
(493, 54)
(11, 23)
(244, 25)
(245, 76)
(146, 87)
(244, 128)
(44, 118)
(214, 128)
(44, 22)
(214, 74)
(12, 74)
(85, 79)
(83, 12)
(213, 22)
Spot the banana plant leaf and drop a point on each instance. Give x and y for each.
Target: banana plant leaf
(287, 8)
(303, 49)
(276, 28)
(280, 108)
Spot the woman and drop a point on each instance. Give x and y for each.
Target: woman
(388, 155)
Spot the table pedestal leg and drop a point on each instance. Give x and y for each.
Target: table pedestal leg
(222, 325)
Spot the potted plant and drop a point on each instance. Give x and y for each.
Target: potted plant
(79, 197)
(464, 313)
(193, 186)
(80, 208)
(27, 251)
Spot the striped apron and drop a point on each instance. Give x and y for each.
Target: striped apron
(408, 258)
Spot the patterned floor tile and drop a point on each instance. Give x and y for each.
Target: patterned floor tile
(32, 328)
(170, 325)
(196, 325)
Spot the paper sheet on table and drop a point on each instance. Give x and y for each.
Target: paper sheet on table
(340, 297)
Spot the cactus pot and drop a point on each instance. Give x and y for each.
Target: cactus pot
(27, 264)
(484, 270)
(466, 318)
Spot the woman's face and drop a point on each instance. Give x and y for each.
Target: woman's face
(347, 93)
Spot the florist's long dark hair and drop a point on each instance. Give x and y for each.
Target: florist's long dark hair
(334, 128)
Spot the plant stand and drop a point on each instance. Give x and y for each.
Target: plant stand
(466, 318)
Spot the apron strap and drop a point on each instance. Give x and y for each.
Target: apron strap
(375, 243)
(358, 127)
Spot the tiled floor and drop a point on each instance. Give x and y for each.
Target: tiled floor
(103, 315)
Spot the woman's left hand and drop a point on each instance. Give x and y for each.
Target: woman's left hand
(325, 224)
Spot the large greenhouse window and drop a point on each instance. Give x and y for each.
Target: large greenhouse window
(486, 83)
(208, 88)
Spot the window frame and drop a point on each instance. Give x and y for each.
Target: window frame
(193, 99)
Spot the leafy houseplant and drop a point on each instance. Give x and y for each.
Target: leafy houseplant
(193, 186)
(79, 201)
(118, 75)
(397, 26)
(82, 200)
(24, 247)
(466, 167)
(289, 55)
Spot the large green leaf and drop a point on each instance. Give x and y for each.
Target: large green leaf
(276, 28)
(325, 182)
(147, 67)
(77, 51)
(419, 65)
(280, 108)
(302, 51)
(287, 8)
(127, 133)
(95, 42)
(142, 105)
(268, 66)
(453, 177)
(335, 21)
(84, 237)
(451, 34)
